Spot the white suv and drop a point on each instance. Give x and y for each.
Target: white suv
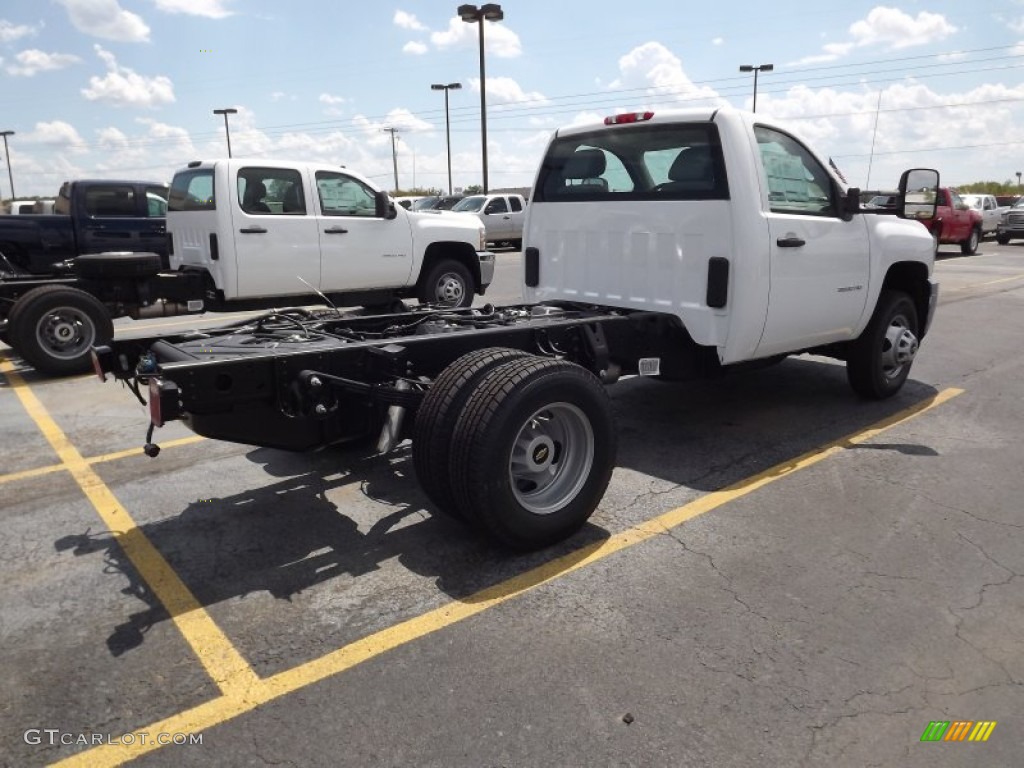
(502, 216)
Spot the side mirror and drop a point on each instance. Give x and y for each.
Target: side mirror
(851, 203)
(919, 193)
(383, 207)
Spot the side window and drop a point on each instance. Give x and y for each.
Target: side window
(192, 191)
(341, 195)
(942, 199)
(156, 201)
(497, 205)
(271, 190)
(955, 201)
(797, 182)
(110, 201)
(516, 203)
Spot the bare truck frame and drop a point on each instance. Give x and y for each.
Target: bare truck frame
(518, 388)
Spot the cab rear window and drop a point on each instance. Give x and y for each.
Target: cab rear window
(192, 190)
(635, 162)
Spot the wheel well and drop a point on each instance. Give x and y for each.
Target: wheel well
(460, 252)
(911, 277)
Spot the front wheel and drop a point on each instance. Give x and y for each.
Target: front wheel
(54, 327)
(970, 246)
(449, 283)
(879, 360)
(1003, 239)
(532, 452)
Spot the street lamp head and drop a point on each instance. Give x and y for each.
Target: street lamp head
(492, 12)
(454, 86)
(767, 67)
(6, 133)
(468, 13)
(746, 68)
(228, 111)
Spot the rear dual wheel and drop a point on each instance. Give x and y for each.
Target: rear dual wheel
(531, 451)
(54, 328)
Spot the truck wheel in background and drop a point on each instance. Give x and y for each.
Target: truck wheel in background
(970, 246)
(879, 359)
(118, 264)
(533, 451)
(1003, 239)
(436, 418)
(53, 328)
(447, 282)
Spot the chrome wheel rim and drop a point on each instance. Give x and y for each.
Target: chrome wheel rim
(65, 333)
(898, 347)
(552, 456)
(449, 289)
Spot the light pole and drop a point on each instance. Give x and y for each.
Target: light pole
(12, 192)
(11, 175)
(755, 70)
(447, 124)
(227, 131)
(471, 14)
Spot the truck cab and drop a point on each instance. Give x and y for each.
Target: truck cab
(262, 228)
(724, 219)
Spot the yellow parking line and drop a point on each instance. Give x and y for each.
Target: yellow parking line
(50, 468)
(221, 659)
(229, 706)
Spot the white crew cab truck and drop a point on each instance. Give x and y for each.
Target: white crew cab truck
(261, 228)
(677, 244)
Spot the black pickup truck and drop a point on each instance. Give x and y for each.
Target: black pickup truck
(90, 216)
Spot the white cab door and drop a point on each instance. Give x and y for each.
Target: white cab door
(819, 264)
(275, 232)
(359, 250)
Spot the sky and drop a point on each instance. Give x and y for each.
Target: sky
(127, 88)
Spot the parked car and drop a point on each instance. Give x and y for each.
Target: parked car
(989, 208)
(1011, 223)
(23, 207)
(436, 202)
(502, 216)
(90, 216)
(954, 222)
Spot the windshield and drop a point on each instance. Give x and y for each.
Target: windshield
(471, 204)
(425, 203)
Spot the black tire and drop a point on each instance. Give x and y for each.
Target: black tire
(517, 244)
(1003, 239)
(533, 452)
(436, 418)
(118, 264)
(970, 246)
(54, 327)
(449, 283)
(879, 360)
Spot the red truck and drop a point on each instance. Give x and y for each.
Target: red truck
(954, 222)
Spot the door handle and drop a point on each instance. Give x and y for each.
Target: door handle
(253, 231)
(336, 231)
(790, 242)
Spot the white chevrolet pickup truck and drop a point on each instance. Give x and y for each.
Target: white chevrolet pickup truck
(672, 244)
(261, 228)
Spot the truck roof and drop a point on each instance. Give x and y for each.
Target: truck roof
(649, 115)
(263, 162)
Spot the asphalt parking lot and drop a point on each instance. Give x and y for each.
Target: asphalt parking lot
(779, 574)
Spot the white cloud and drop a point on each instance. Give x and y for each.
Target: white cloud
(106, 19)
(32, 61)
(174, 140)
(331, 104)
(888, 27)
(654, 67)
(893, 27)
(499, 40)
(111, 138)
(415, 48)
(57, 134)
(718, 41)
(408, 21)
(122, 86)
(277, 95)
(211, 9)
(505, 90)
(10, 32)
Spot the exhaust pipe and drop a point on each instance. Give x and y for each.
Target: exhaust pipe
(164, 308)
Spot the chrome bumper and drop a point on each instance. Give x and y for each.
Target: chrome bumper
(486, 269)
(933, 300)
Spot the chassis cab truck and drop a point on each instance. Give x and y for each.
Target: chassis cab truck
(678, 244)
